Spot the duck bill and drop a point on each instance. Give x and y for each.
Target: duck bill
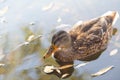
(49, 52)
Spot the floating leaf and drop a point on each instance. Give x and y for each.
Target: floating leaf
(58, 71)
(1, 64)
(59, 19)
(49, 69)
(66, 66)
(30, 38)
(3, 10)
(113, 52)
(102, 71)
(114, 31)
(80, 65)
(49, 6)
(65, 75)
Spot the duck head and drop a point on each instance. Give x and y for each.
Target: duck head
(60, 40)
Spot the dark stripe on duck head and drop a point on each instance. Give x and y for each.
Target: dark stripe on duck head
(109, 19)
(104, 27)
(58, 36)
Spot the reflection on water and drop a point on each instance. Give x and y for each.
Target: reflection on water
(22, 21)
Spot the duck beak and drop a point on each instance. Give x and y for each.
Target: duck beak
(51, 50)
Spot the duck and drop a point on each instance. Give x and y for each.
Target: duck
(85, 41)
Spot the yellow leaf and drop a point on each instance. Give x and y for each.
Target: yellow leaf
(65, 66)
(102, 71)
(49, 6)
(48, 69)
(30, 38)
(64, 75)
(113, 52)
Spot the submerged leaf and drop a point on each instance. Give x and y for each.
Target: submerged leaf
(1, 64)
(113, 52)
(59, 19)
(102, 71)
(3, 68)
(80, 65)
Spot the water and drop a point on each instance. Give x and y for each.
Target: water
(22, 18)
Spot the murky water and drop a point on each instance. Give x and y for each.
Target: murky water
(24, 20)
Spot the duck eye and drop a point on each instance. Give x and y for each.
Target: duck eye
(51, 48)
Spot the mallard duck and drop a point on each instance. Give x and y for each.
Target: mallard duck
(84, 41)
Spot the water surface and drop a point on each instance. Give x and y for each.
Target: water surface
(22, 19)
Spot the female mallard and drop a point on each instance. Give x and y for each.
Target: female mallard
(84, 41)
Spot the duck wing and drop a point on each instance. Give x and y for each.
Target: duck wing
(90, 32)
(92, 36)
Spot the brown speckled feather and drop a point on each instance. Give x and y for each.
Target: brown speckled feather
(89, 39)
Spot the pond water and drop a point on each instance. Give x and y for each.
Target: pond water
(26, 20)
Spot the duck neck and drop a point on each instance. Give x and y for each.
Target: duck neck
(65, 55)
